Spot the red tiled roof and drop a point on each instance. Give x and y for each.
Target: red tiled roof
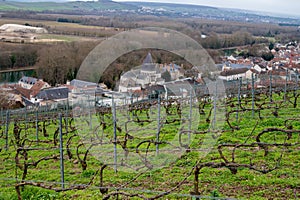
(36, 88)
(277, 72)
(24, 92)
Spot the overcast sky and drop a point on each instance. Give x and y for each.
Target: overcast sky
(290, 7)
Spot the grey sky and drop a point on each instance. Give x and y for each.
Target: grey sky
(290, 7)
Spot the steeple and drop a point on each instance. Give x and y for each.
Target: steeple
(148, 59)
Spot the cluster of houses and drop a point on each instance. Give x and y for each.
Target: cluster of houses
(31, 92)
(149, 78)
(284, 66)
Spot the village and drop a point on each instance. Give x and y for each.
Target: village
(149, 79)
(122, 99)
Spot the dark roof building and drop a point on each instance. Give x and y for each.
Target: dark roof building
(53, 94)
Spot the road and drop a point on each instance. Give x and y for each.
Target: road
(18, 69)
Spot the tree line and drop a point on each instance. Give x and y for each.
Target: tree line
(191, 27)
(60, 62)
(16, 56)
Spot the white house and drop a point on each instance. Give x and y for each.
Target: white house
(233, 74)
(250, 72)
(27, 82)
(33, 84)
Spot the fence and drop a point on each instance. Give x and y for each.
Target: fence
(70, 149)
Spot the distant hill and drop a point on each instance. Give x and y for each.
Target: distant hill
(108, 7)
(175, 6)
(208, 12)
(56, 6)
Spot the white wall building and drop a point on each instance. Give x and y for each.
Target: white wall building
(148, 74)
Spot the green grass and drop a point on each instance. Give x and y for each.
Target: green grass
(282, 183)
(58, 37)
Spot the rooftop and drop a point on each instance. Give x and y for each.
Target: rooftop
(54, 93)
(82, 84)
(148, 59)
(234, 72)
(28, 80)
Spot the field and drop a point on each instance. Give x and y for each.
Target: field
(228, 149)
(61, 32)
